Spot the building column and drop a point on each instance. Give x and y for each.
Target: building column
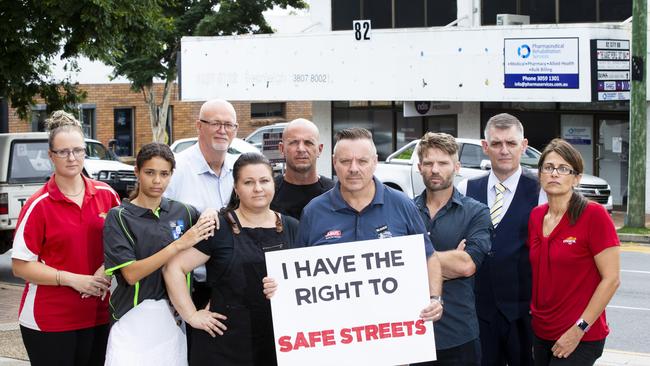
(322, 117)
(469, 121)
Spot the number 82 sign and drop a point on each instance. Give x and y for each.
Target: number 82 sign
(361, 30)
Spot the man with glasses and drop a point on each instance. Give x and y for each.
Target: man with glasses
(503, 283)
(203, 175)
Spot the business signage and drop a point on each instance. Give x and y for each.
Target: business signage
(426, 108)
(541, 63)
(610, 69)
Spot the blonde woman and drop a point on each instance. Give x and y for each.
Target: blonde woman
(58, 251)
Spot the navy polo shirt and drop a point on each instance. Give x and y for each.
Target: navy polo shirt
(328, 219)
(461, 218)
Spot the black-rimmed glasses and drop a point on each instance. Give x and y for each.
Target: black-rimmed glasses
(77, 152)
(218, 124)
(561, 170)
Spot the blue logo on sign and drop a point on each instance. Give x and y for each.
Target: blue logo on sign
(523, 51)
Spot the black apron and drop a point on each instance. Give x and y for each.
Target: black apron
(238, 295)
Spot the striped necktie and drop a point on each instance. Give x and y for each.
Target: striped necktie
(497, 206)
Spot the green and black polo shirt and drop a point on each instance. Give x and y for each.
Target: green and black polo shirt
(133, 233)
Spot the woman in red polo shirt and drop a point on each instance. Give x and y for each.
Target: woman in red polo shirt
(574, 254)
(58, 250)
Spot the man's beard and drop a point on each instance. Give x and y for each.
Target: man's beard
(446, 183)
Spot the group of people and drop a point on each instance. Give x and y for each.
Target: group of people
(520, 266)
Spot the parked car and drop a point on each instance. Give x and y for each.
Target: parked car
(237, 147)
(25, 166)
(400, 170)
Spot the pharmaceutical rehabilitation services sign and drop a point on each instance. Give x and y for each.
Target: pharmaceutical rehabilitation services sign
(352, 303)
(541, 63)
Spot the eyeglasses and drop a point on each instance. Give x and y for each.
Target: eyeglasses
(218, 124)
(561, 170)
(78, 152)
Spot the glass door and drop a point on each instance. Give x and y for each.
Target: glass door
(612, 155)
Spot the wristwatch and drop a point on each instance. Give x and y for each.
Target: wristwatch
(437, 298)
(583, 325)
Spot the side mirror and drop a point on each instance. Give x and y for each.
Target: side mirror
(112, 144)
(486, 164)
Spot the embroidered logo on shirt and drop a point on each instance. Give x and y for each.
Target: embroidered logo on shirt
(177, 228)
(570, 240)
(383, 232)
(333, 234)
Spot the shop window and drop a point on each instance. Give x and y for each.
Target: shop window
(267, 110)
(409, 13)
(87, 119)
(540, 11)
(614, 10)
(380, 13)
(39, 115)
(493, 7)
(440, 13)
(577, 11)
(123, 129)
(344, 12)
(446, 123)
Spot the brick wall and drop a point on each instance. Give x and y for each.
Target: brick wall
(107, 97)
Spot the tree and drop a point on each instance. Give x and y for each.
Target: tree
(145, 62)
(33, 33)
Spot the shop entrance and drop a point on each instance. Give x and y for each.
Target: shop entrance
(611, 156)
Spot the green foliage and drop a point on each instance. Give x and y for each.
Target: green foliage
(634, 230)
(152, 51)
(33, 33)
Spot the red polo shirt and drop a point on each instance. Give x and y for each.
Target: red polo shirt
(565, 275)
(54, 230)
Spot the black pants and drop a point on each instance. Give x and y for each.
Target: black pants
(505, 342)
(468, 354)
(585, 354)
(83, 347)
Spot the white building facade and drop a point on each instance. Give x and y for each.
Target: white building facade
(420, 65)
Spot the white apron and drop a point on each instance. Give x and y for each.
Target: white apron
(147, 335)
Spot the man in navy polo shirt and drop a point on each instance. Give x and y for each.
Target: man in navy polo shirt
(360, 207)
(461, 227)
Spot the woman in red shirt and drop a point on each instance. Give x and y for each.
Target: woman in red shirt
(574, 255)
(58, 250)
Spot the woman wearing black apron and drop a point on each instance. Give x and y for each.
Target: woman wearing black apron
(238, 327)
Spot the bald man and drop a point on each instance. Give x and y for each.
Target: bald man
(300, 183)
(203, 175)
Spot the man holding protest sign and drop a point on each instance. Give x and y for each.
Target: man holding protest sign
(360, 207)
(461, 228)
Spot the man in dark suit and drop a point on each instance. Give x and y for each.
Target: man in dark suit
(503, 283)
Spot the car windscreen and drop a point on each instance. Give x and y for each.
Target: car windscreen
(183, 145)
(95, 151)
(28, 162)
(530, 158)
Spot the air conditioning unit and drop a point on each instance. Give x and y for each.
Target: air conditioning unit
(512, 19)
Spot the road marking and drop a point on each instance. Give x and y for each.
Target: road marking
(637, 248)
(627, 307)
(635, 271)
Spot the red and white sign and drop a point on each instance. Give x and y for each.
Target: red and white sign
(352, 303)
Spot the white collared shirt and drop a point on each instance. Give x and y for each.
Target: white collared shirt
(511, 187)
(195, 183)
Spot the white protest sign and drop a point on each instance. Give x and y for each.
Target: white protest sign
(352, 303)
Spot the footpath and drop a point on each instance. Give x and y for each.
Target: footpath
(12, 351)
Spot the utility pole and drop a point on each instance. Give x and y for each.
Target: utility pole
(635, 216)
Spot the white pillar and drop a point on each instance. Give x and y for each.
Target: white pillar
(469, 121)
(322, 117)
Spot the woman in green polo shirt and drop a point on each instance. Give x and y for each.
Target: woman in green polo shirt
(140, 236)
